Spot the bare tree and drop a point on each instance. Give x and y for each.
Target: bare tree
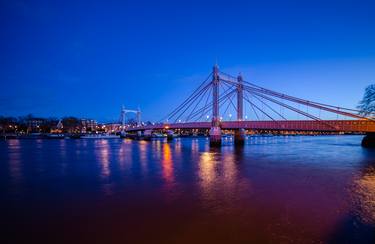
(367, 104)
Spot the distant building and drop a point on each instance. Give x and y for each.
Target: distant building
(112, 127)
(34, 124)
(58, 128)
(88, 125)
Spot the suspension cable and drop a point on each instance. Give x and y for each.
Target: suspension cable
(188, 98)
(326, 107)
(193, 101)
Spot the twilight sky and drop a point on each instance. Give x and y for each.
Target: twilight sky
(87, 58)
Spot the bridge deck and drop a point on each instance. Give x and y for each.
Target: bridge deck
(291, 125)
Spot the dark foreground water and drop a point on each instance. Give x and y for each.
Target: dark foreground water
(273, 190)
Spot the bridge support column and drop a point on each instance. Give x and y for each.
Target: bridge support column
(170, 135)
(239, 134)
(140, 134)
(369, 140)
(215, 131)
(215, 136)
(239, 137)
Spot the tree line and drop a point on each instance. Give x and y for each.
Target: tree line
(30, 123)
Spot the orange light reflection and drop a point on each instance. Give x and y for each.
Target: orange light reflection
(167, 163)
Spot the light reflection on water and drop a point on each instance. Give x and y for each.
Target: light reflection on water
(124, 155)
(167, 163)
(143, 149)
(63, 155)
(207, 174)
(103, 156)
(15, 169)
(364, 196)
(220, 182)
(274, 189)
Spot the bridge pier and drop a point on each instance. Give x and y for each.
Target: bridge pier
(170, 135)
(369, 140)
(215, 136)
(239, 137)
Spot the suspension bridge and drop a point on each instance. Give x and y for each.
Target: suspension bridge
(225, 102)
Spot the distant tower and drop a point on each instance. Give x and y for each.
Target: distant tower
(123, 117)
(139, 116)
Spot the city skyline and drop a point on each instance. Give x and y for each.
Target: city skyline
(58, 61)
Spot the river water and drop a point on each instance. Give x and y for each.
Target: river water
(296, 189)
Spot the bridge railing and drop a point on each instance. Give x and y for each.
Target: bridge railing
(302, 125)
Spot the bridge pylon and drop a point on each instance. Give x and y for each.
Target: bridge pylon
(239, 134)
(123, 118)
(215, 131)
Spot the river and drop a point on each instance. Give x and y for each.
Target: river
(281, 189)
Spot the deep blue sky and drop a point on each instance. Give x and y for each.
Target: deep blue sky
(87, 58)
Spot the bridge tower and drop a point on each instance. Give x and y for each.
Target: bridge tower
(138, 113)
(239, 136)
(215, 131)
(123, 118)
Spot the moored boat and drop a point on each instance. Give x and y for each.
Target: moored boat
(99, 136)
(55, 136)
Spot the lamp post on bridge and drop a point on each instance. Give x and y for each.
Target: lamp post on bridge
(215, 131)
